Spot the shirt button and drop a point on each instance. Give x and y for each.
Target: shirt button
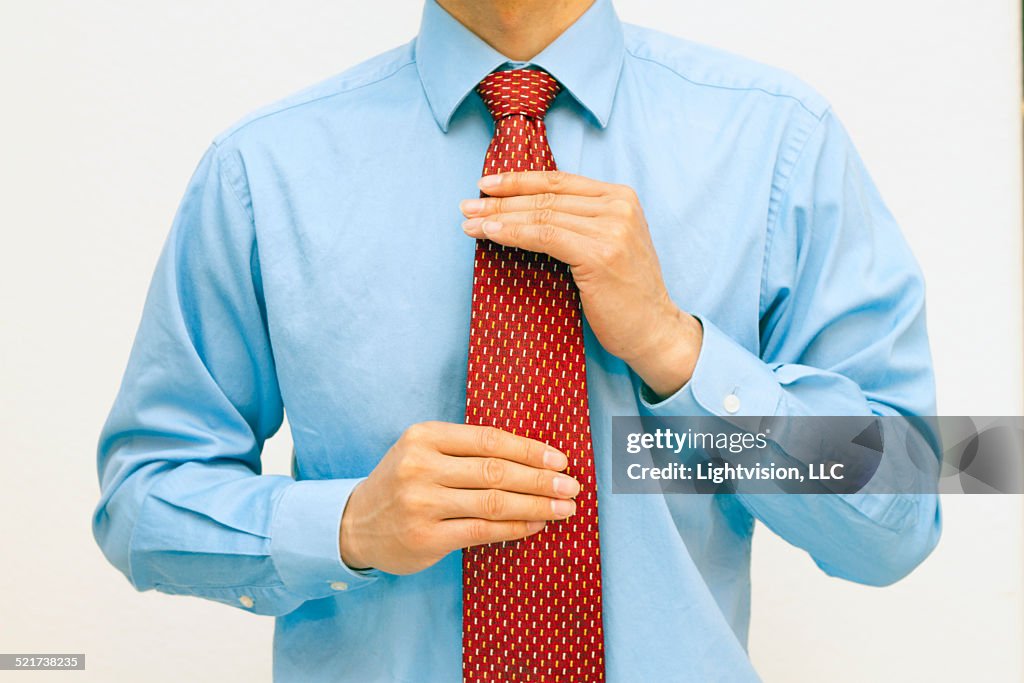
(246, 601)
(339, 586)
(731, 404)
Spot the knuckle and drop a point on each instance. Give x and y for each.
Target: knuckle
(519, 529)
(493, 503)
(606, 254)
(546, 233)
(476, 531)
(616, 253)
(542, 216)
(403, 468)
(490, 439)
(627, 192)
(545, 200)
(620, 206)
(417, 432)
(556, 178)
(412, 433)
(540, 483)
(410, 467)
(541, 508)
(493, 472)
(534, 454)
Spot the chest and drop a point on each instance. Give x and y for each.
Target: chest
(367, 275)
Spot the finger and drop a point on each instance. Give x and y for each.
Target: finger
(566, 203)
(537, 182)
(496, 473)
(578, 224)
(504, 506)
(473, 440)
(463, 533)
(545, 238)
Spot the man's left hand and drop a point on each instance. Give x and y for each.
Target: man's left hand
(599, 230)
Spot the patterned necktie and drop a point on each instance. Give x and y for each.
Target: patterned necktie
(531, 608)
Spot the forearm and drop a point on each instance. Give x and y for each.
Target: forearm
(869, 538)
(219, 531)
(872, 539)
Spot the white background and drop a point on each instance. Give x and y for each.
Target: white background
(107, 107)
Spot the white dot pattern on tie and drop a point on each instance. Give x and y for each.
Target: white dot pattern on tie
(531, 608)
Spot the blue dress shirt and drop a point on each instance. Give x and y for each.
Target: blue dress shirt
(317, 264)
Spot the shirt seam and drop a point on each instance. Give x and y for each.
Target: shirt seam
(314, 99)
(719, 86)
(255, 267)
(224, 161)
(772, 226)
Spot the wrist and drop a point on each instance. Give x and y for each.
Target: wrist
(347, 538)
(667, 361)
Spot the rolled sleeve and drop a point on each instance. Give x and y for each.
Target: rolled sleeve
(304, 543)
(727, 380)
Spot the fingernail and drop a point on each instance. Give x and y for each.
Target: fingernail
(491, 227)
(566, 486)
(472, 224)
(534, 527)
(562, 508)
(469, 206)
(489, 181)
(554, 460)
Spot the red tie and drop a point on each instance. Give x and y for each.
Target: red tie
(531, 608)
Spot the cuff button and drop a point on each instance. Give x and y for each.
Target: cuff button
(339, 586)
(731, 404)
(246, 601)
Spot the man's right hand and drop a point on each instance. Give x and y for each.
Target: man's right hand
(444, 486)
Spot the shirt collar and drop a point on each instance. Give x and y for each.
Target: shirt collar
(586, 60)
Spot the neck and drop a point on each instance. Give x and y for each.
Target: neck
(518, 29)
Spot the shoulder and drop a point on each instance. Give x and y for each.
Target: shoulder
(703, 67)
(354, 85)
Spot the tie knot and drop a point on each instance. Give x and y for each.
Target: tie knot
(521, 91)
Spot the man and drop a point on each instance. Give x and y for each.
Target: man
(712, 241)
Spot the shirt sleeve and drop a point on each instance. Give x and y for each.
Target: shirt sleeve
(842, 332)
(184, 508)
